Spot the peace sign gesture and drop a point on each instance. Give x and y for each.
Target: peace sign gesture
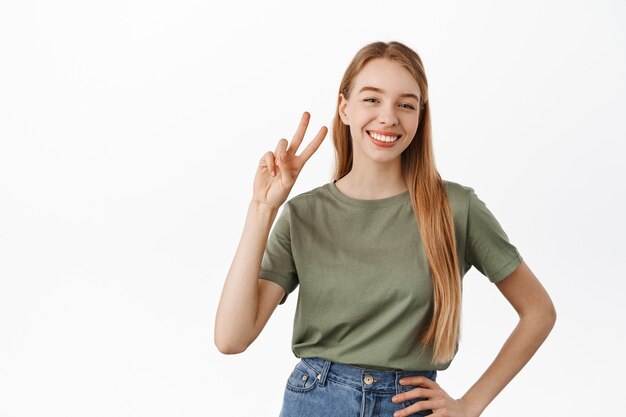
(272, 185)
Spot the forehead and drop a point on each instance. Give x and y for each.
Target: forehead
(388, 75)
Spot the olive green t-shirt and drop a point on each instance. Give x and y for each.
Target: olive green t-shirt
(364, 280)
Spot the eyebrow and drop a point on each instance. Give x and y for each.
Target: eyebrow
(381, 91)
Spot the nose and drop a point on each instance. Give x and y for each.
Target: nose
(387, 115)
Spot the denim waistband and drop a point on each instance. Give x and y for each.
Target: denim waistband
(362, 378)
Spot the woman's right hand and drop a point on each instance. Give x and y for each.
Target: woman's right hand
(272, 185)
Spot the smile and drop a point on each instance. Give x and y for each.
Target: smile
(383, 141)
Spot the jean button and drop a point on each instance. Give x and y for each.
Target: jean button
(368, 379)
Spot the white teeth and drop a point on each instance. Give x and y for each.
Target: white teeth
(383, 138)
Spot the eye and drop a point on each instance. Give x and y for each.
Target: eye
(408, 106)
(367, 100)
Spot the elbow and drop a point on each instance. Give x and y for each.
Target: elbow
(550, 320)
(549, 312)
(227, 346)
(543, 310)
(230, 338)
(541, 316)
(229, 350)
(544, 317)
(549, 315)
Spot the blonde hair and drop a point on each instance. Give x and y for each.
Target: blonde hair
(428, 198)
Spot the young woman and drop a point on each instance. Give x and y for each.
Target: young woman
(379, 254)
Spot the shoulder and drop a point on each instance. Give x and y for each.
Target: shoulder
(308, 200)
(309, 195)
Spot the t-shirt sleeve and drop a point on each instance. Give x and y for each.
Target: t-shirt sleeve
(278, 264)
(488, 247)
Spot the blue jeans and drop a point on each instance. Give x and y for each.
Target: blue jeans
(320, 388)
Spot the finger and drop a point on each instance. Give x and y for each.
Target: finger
(418, 380)
(314, 145)
(418, 406)
(269, 162)
(299, 135)
(414, 393)
(281, 146)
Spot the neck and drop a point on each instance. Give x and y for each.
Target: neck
(375, 181)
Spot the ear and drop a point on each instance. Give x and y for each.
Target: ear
(343, 105)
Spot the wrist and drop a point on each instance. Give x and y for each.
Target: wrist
(471, 409)
(262, 208)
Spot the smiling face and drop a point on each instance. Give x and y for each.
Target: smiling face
(382, 111)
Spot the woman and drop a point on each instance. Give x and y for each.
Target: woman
(379, 254)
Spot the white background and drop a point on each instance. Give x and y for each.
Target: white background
(130, 133)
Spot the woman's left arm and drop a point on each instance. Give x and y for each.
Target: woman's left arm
(537, 317)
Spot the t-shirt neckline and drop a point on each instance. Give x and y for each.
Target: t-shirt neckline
(377, 203)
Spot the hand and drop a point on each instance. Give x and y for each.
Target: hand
(272, 185)
(441, 404)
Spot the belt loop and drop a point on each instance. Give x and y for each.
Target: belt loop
(398, 377)
(322, 376)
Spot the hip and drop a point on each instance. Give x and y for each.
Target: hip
(319, 387)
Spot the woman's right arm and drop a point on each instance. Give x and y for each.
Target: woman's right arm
(236, 319)
(247, 302)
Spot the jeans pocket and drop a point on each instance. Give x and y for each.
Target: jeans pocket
(302, 379)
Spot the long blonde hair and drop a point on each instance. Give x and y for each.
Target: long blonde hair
(428, 197)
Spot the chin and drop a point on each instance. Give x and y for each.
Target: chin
(387, 159)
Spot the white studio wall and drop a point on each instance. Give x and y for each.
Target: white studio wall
(130, 132)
